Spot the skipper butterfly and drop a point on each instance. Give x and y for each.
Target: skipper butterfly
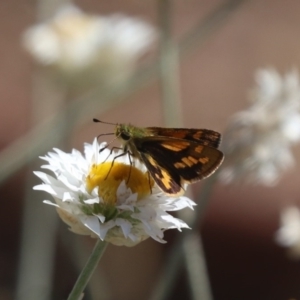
(173, 156)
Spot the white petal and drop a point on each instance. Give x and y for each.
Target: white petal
(122, 193)
(180, 203)
(101, 218)
(45, 187)
(50, 203)
(92, 201)
(92, 223)
(67, 197)
(125, 226)
(45, 177)
(126, 207)
(132, 199)
(105, 227)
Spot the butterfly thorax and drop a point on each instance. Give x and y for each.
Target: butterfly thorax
(126, 133)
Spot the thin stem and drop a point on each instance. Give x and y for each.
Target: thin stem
(35, 279)
(196, 267)
(171, 100)
(175, 257)
(169, 67)
(205, 28)
(88, 271)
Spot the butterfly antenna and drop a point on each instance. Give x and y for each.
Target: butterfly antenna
(99, 121)
(109, 142)
(102, 134)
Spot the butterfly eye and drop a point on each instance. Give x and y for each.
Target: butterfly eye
(125, 136)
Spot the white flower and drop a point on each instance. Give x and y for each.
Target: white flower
(257, 142)
(119, 204)
(78, 45)
(288, 234)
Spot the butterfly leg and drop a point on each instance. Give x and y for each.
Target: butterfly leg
(113, 161)
(131, 164)
(149, 181)
(111, 151)
(130, 161)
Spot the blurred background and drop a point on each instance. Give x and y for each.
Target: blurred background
(194, 67)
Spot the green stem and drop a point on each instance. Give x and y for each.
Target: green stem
(87, 271)
(174, 259)
(169, 67)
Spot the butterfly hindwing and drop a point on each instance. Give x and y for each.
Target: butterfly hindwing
(166, 179)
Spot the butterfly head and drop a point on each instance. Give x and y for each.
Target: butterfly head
(127, 132)
(129, 136)
(123, 133)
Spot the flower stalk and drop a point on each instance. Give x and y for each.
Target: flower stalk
(88, 271)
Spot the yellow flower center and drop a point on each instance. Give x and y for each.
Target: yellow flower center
(108, 179)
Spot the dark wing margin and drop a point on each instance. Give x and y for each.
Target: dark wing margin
(173, 162)
(203, 136)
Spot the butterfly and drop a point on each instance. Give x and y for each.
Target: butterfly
(173, 156)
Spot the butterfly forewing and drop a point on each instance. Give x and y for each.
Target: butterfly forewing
(204, 136)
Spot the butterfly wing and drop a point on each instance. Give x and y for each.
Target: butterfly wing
(203, 136)
(173, 162)
(166, 179)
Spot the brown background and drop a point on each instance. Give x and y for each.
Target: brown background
(238, 231)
